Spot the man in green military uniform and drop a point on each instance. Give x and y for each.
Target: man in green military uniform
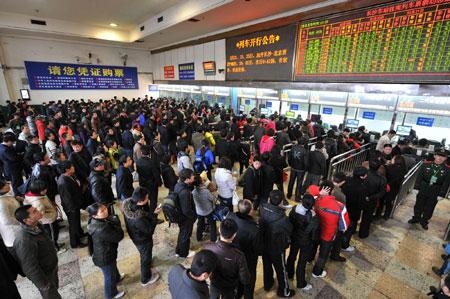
(432, 182)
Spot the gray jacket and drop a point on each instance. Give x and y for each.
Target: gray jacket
(181, 286)
(36, 254)
(204, 201)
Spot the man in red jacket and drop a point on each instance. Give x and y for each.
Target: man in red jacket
(333, 218)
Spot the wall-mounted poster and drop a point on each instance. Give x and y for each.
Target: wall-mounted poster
(186, 71)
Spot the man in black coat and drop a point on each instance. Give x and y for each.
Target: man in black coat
(317, 167)
(99, 186)
(306, 226)
(33, 148)
(12, 163)
(252, 181)
(376, 189)
(149, 175)
(191, 283)
(249, 241)
(277, 230)
(183, 189)
(92, 143)
(80, 159)
(124, 178)
(298, 160)
(36, 252)
(72, 202)
(267, 180)
(141, 223)
(106, 233)
(232, 265)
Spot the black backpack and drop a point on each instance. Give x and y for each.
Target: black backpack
(171, 208)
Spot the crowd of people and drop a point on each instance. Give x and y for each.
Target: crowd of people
(75, 150)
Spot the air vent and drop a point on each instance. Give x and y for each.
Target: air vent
(38, 22)
(142, 28)
(160, 19)
(139, 41)
(193, 20)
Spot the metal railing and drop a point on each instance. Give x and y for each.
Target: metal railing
(407, 186)
(347, 161)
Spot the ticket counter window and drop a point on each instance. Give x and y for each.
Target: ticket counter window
(431, 127)
(375, 120)
(247, 105)
(293, 110)
(332, 115)
(272, 106)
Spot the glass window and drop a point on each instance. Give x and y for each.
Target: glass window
(440, 126)
(375, 120)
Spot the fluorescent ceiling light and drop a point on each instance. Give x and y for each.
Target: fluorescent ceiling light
(113, 24)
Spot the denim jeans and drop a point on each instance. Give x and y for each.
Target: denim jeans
(111, 277)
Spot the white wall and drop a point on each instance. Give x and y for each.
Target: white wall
(211, 51)
(18, 49)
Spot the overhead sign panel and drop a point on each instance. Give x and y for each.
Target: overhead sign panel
(262, 56)
(186, 71)
(407, 41)
(53, 75)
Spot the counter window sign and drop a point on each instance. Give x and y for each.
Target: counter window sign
(368, 115)
(294, 107)
(247, 102)
(327, 110)
(269, 104)
(425, 121)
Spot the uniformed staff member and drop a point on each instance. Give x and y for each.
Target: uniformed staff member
(432, 182)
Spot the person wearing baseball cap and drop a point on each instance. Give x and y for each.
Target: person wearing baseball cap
(433, 182)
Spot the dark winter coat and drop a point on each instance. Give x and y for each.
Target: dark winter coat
(124, 182)
(106, 235)
(36, 254)
(140, 223)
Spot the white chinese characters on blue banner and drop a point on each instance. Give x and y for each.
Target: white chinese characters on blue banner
(425, 121)
(186, 71)
(368, 115)
(51, 75)
(327, 110)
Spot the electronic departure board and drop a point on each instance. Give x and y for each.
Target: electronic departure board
(265, 55)
(406, 42)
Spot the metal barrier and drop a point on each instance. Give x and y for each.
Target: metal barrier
(407, 186)
(347, 161)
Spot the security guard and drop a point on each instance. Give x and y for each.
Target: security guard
(432, 182)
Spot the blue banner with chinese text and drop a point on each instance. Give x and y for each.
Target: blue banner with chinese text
(52, 75)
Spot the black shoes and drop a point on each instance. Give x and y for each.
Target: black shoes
(338, 258)
(413, 220)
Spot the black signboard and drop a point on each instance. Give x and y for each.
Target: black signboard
(404, 42)
(261, 56)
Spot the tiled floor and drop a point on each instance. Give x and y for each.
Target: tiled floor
(394, 262)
